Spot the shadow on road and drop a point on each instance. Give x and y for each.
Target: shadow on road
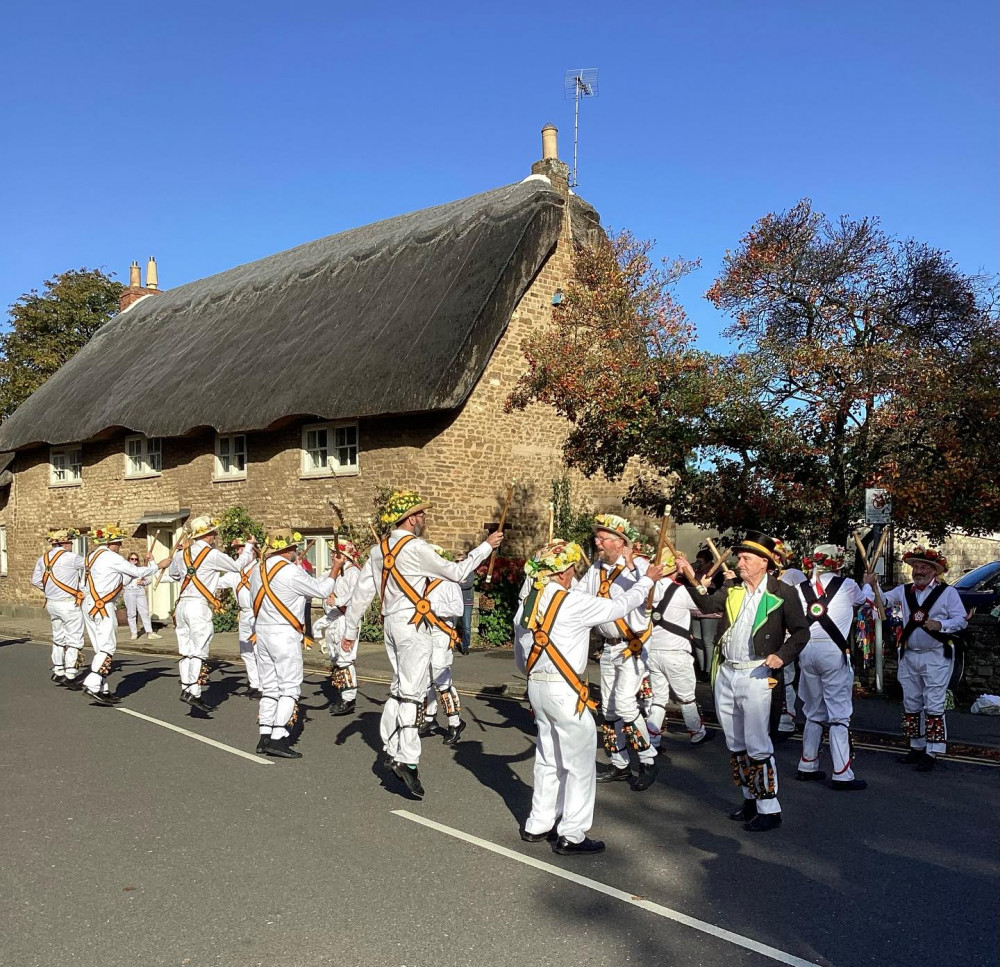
(134, 681)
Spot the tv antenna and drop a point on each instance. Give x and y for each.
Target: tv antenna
(577, 84)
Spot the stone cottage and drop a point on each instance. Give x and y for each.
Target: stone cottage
(379, 356)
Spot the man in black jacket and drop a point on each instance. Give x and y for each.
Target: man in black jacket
(762, 628)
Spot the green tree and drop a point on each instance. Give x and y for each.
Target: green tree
(49, 328)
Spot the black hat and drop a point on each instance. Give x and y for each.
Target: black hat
(760, 544)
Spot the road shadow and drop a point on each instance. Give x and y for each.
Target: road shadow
(13, 641)
(135, 681)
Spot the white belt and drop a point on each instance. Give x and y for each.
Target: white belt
(745, 664)
(545, 677)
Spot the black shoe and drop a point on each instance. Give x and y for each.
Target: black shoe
(410, 779)
(196, 701)
(762, 822)
(262, 744)
(551, 836)
(454, 733)
(614, 774)
(848, 785)
(58, 679)
(75, 684)
(343, 708)
(646, 777)
(912, 757)
(100, 698)
(253, 694)
(566, 848)
(427, 729)
(926, 762)
(278, 749)
(745, 813)
(707, 737)
(818, 776)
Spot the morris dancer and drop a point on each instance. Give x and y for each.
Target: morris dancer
(623, 660)
(399, 569)
(826, 679)
(281, 592)
(669, 657)
(932, 614)
(198, 567)
(57, 574)
(447, 603)
(346, 570)
(553, 625)
(107, 573)
(793, 577)
(762, 628)
(239, 584)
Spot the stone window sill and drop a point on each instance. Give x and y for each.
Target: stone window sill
(64, 484)
(144, 476)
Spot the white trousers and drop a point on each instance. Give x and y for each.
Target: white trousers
(248, 654)
(565, 775)
(442, 657)
(334, 635)
(137, 604)
(194, 638)
(743, 705)
(409, 651)
(67, 635)
(786, 723)
(672, 671)
(279, 665)
(621, 677)
(924, 677)
(102, 634)
(826, 682)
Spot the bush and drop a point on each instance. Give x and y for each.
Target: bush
(371, 623)
(229, 618)
(498, 600)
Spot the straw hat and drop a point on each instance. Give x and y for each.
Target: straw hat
(107, 534)
(345, 547)
(202, 526)
(65, 536)
(402, 504)
(616, 525)
(825, 557)
(929, 556)
(281, 540)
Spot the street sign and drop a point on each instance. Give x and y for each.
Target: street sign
(878, 506)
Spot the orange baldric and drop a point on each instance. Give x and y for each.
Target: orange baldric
(266, 592)
(635, 639)
(543, 645)
(100, 604)
(48, 574)
(422, 606)
(191, 577)
(452, 633)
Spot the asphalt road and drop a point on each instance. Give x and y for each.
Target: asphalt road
(127, 843)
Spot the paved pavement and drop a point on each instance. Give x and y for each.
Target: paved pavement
(128, 843)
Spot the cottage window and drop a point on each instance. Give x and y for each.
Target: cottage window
(230, 456)
(143, 456)
(318, 553)
(65, 466)
(329, 448)
(3, 552)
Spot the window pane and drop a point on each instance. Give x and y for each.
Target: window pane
(240, 452)
(155, 461)
(76, 463)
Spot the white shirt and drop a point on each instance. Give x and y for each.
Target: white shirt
(591, 582)
(343, 590)
(678, 612)
(579, 613)
(244, 599)
(948, 609)
(840, 609)
(291, 586)
(739, 641)
(792, 576)
(446, 601)
(67, 569)
(210, 570)
(417, 562)
(108, 570)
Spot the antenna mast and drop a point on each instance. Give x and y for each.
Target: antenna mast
(576, 84)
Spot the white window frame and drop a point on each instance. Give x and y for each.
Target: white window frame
(66, 466)
(331, 466)
(3, 550)
(149, 451)
(318, 553)
(235, 445)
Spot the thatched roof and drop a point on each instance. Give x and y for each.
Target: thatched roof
(397, 317)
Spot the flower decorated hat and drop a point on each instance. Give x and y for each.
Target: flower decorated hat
(928, 555)
(763, 546)
(825, 557)
(616, 525)
(107, 534)
(400, 505)
(281, 540)
(203, 526)
(345, 547)
(784, 552)
(553, 558)
(64, 536)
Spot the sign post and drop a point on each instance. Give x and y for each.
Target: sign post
(878, 513)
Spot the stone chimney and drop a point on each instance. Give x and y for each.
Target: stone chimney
(136, 290)
(555, 170)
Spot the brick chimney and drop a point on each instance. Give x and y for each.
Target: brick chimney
(555, 170)
(136, 290)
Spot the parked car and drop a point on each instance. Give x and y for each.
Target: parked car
(980, 588)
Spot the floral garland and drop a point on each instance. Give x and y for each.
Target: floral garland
(929, 555)
(552, 559)
(828, 562)
(399, 502)
(109, 534)
(617, 525)
(69, 534)
(280, 544)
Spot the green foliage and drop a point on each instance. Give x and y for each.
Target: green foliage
(570, 524)
(371, 623)
(49, 328)
(236, 522)
(498, 600)
(228, 619)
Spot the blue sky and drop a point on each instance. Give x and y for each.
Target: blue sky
(215, 133)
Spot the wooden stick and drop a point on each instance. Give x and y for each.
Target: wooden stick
(710, 544)
(661, 545)
(552, 520)
(881, 546)
(879, 605)
(503, 519)
(723, 557)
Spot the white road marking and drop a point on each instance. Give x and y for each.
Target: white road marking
(194, 735)
(734, 938)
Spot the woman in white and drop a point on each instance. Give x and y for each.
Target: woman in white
(137, 604)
